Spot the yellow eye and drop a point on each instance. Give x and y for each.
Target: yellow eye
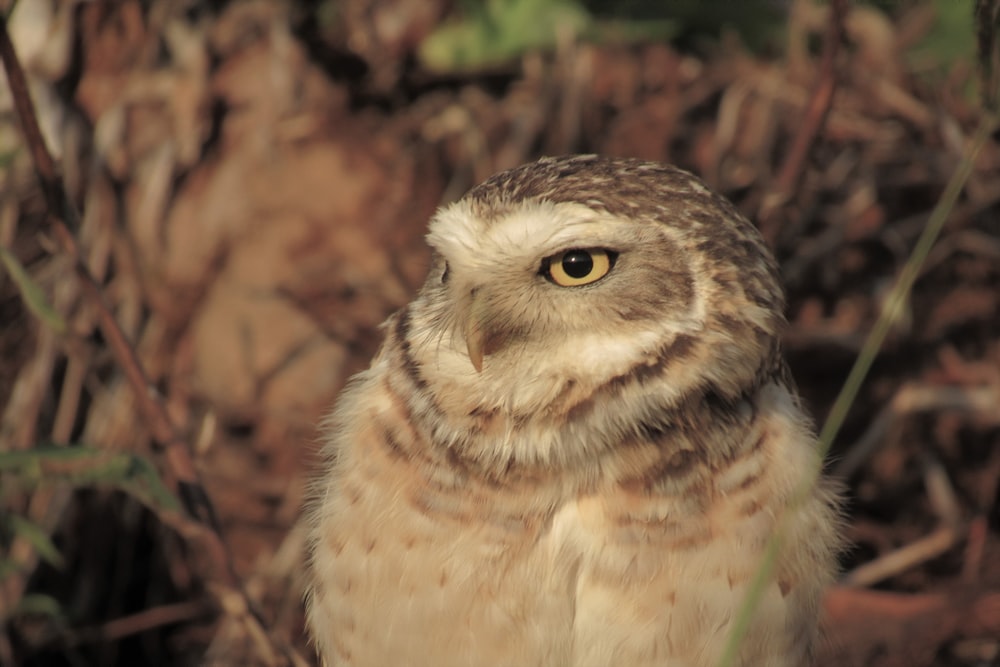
(572, 268)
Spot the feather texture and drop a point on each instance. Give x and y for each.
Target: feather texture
(532, 474)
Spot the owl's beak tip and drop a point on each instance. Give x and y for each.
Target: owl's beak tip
(476, 334)
(474, 344)
(477, 363)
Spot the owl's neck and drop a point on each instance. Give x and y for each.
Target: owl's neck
(645, 422)
(633, 434)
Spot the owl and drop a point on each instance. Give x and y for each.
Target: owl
(575, 442)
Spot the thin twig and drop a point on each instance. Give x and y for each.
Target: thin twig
(902, 559)
(147, 619)
(61, 210)
(166, 436)
(941, 494)
(816, 112)
(910, 399)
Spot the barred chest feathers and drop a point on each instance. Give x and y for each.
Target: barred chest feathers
(575, 442)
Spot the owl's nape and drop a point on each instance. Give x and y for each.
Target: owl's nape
(577, 439)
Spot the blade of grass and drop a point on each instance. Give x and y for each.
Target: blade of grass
(904, 284)
(33, 295)
(38, 538)
(838, 413)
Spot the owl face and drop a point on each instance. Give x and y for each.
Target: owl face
(557, 280)
(626, 282)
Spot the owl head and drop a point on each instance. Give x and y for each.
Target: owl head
(572, 276)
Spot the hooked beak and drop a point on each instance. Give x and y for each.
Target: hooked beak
(474, 342)
(482, 336)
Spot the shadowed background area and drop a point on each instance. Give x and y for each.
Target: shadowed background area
(254, 180)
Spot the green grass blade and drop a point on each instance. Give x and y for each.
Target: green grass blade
(888, 315)
(38, 604)
(33, 295)
(900, 293)
(37, 538)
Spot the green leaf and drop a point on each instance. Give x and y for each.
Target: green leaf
(38, 604)
(950, 39)
(761, 24)
(87, 466)
(33, 295)
(498, 31)
(38, 538)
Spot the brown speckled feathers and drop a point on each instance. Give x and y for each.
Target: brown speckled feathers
(575, 441)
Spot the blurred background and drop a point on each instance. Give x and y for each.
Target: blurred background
(254, 179)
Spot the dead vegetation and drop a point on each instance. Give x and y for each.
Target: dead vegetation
(253, 185)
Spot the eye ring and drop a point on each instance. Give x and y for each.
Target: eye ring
(578, 266)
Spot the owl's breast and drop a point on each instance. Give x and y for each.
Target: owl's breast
(418, 562)
(431, 582)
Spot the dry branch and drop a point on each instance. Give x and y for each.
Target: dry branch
(166, 436)
(816, 112)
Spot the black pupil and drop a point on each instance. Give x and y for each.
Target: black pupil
(577, 263)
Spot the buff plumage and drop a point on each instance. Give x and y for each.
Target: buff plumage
(582, 475)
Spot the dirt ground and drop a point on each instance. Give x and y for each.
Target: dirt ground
(254, 179)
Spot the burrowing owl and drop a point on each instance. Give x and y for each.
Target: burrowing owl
(575, 441)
